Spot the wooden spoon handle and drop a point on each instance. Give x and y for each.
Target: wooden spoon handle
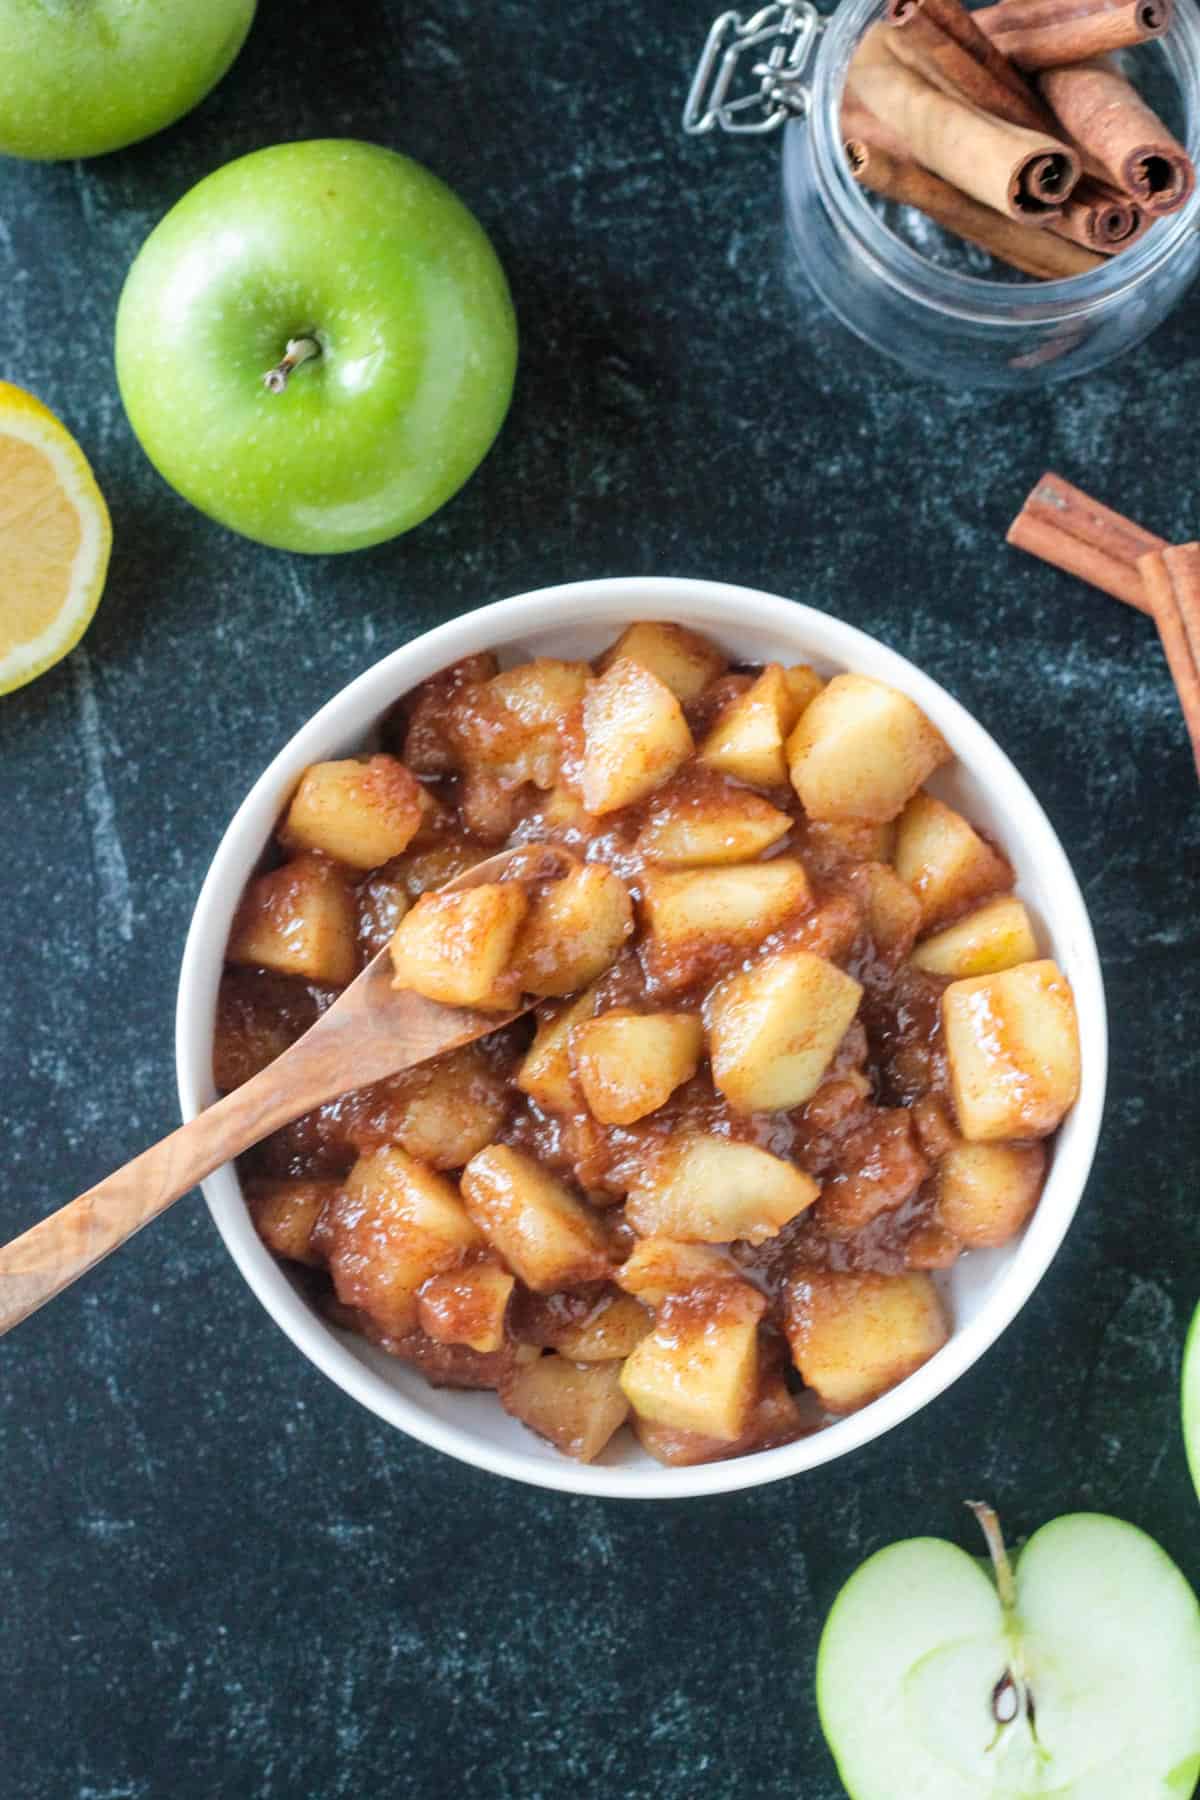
(333, 1056)
(370, 1032)
(56, 1251)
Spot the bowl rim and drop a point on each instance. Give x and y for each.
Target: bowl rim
(618, 601)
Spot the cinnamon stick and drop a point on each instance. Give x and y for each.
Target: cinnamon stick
(1064, 526)
(1023, 174)
(1110, 122)
(893, 176)
(940, 39)
(1171, 581)
(1099, 217)
(1048, 34)
(860, 125)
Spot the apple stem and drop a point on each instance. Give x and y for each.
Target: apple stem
(989, 1524)
(299, 350)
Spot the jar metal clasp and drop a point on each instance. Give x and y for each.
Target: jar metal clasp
(780, 40)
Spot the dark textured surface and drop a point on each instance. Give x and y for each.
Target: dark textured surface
(218, 1575)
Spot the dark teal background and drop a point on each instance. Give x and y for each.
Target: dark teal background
(218, 1576)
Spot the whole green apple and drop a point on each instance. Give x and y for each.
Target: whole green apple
(81, 77)
(317, 346)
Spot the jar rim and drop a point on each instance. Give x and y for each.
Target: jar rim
(974, 298)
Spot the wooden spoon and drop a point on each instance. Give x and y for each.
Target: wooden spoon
(372, 1030)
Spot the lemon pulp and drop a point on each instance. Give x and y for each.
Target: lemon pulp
(55, 538)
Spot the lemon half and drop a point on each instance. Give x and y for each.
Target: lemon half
(55, 538)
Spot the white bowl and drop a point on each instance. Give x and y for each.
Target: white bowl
(985, 1289)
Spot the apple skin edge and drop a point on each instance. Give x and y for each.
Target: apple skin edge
(374, 258)
(98, 75)
(1105, 1633)
(1191, 1399)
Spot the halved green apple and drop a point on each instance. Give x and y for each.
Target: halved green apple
(1074, 1674)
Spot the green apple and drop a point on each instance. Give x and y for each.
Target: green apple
(316, 346)
(81, 77)
(1191, 1398)
(1075, 1674)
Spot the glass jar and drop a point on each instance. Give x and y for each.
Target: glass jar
(943, 318)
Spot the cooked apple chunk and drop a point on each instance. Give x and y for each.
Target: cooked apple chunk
(698, 1369)
(850, 840)
(546, 1236)
(698, 919)
(711, 823)
(285, 1215)
(986, 1192)
(424, 867)
(892, 912)
(747, 741)
(1012, 1042)
(424, 721)
(774, 1418)
(634, 737)
(929, 1245)
(393, 1225)
(576, 1406)
(854, 1336)
(441, 1111)
(467, 1306)
(299, 920)
(944, 860)
(489, 805)
(627, 1064)
(709, 1190)
(861, 750)
(545, 1073)
(562, 815)
(540, 692)
(616, 1324)
(803, 686)
(682, 659)
(993, 937)
(442, 1365)
(775, 1029)
(575, 930)
(658, 1266)
(457, 948)
(360, 812)
(510, 728)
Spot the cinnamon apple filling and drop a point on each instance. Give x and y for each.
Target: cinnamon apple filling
(796, 1047)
